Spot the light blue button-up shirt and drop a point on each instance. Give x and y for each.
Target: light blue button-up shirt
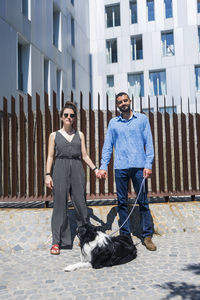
(132, 141)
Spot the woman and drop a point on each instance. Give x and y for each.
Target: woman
(68, 177)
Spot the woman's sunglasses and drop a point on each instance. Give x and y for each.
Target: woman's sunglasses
(70, 115)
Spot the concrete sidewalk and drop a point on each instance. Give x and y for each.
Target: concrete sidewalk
(172, 272)
(28, 271)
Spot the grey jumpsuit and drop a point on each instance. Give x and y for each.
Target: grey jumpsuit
(68, 178)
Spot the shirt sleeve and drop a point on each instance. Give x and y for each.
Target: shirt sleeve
(149, 149)
(107, 149)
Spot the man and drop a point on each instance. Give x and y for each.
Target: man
(130, 135)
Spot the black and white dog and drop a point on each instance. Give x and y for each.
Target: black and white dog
(99, 250)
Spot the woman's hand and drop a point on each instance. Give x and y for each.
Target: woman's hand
(49, 181)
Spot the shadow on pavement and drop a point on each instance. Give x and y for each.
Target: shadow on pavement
(183, 289)
(195, 268)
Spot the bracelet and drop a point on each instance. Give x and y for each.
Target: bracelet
(48, 174)
(94, 169)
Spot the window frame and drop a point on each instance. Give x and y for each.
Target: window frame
(158, 84)
(198, 6)
(133, 2)
(148, 15)
(166, 47)
(109, 54)
(134, 49)
(171, 15)
(113, 7)
(141, 74)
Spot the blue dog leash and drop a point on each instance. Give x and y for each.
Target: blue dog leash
(140, 190)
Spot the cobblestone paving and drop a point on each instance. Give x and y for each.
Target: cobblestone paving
(172, 272)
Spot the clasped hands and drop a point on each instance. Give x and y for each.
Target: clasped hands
(102, 174)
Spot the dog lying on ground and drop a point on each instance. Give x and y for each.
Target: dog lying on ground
(99, 250)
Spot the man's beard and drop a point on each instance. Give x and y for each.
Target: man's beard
(125, 108)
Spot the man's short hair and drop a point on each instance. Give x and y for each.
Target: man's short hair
(121, 94)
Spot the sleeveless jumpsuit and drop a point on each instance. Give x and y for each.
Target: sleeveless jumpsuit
(68, 178)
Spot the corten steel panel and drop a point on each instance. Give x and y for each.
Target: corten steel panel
(161, 170)
(40, 173)
(184, 152)
(117, 113)
(5, 147)
(192, 153)
(101, 141)
(176, 153)
(92, 146)
(56, 117)
(197, 117)
(31, 144)
(83, 128)
(14, 147)
(1, 155)
(22, 135)
(72, 96)
(110, 166)
(48, 129)
(168, 153)
(62, 99)
(153, 178)
(141, 110)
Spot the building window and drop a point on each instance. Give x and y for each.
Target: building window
(26, 8)
(113, 15)
(72, 2)
(111, 51)
(23, 67)
(197, 75)
(168, 109)
(150, 10)
(157, 83)
(56, 29)
(168, 9)
(46, 76)
(72, 32)
(198, 6)
(136, 47)
(167, 42)
(110, 87)
(136, 85)
(73, 74)
(133, 9)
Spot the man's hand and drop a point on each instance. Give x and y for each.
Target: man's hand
(102, 174)
(147, 173)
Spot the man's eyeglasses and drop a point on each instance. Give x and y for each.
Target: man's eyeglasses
(121, 101)
(70, 115)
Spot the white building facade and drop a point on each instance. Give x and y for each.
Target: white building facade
(44, 48)
(143, 47)
(146, 48)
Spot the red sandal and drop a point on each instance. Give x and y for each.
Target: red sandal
(55, 249)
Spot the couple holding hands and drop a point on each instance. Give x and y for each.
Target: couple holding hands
(130, 135)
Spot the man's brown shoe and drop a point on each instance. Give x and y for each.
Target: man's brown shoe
(149, 244)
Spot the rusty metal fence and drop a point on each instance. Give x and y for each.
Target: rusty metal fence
(24, 142)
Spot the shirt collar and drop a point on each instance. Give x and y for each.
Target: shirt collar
(124, 120)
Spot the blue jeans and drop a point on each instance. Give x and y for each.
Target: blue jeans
(122, 177)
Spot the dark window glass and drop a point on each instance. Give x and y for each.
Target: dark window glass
(150, 7)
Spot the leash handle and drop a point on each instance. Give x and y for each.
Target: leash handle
(141, 186)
